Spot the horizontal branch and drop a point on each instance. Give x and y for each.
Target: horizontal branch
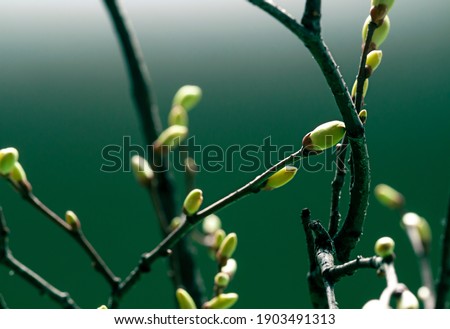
(349, 268)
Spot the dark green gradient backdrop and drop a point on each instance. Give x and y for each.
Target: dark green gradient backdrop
(64, 95)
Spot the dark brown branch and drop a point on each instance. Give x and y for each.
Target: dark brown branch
(311, 15)
(306, 220)
(182, 262)
(78, 236)
(8, 260)
(443, 284)
(337, 272)
(190, 222)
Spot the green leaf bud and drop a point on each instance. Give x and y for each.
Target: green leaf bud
(411, 219)
(379, 35)
(211, 224)
(8, 158)
(193, 202)
(221, 280)
(227, 248)
(17, 174)
(374, 304)
(425, 232)
(230, 267)
(141, 170)
(175, 223)
(365, 88)
(222, 301)
(185, 300)
(178, 116)
(324, 136)
(389, 197)
(424, 293)
(363, 116)
(373, 61)
(102, 307)
(187, 97)
(407, 300)
(219, 236)
(280, 178)
(384, 247)
(171, 137)
(72, 220)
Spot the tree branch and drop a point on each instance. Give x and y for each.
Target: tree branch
(7, 259)
(337, 272)
(312, 15)
(182, 261)
(443, 284)
(3, 304)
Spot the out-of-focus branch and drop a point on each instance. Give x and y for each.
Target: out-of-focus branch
(443, 284)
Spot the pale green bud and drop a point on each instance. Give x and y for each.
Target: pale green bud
(8, 158)
(384, 247)
(380, 34)
(365, 88)
(187, 97)
(219, 236)
(193, 202)
(102, 307)
(178, 116)
(222, 301)
(389, 197)
(175, 223)
(407, 300)
(363, 116)
(141, 170)
(72, 220)
(230, 267)
(185, 300)
(227, 247)
(374, 304)
(373, 61)
(171, 137)
(221, 280)
(211, 224)
(411, 219)
(280, 178)
(17, 173)
(424, 293)
(424, 232)
(324, 136)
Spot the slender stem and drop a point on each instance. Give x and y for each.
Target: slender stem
(443, 284)
(3, 304)
(391, 281)
(175, 236)
(8, 260)
(182, 262)
(78, 236)
(336, 187)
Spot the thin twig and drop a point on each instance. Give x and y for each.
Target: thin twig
(349, 268)
(347, 238)
(8, 260)
(190, 222)
(443, 284)
(78, 235)
(391, 282)
(183, 267)
(3, 304)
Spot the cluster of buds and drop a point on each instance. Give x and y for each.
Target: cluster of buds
(11, 168)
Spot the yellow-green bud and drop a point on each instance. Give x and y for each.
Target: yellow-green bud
(280, 178)
(389, 197)
(363, 116)
(178, 116)
(187, 97)
(141, 170)
(17, 173)
(407, 300)
(374, 304)
(211, 224)
(222, 301)
(227, 247)
(221, 280)
(8, 158)
(424, 293)
(219, 236)
(102, 307)
(324, 136)
(185, 300)
(380, 34)
(384, 247)
(171, 137)
(411, 219)
(193, 202)
(230, 267)
(191, 166)
(175, 223)
(373, 61)
(72, 220)
(365, 88)
(424, 232)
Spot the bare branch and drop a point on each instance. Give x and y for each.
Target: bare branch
(443, 284)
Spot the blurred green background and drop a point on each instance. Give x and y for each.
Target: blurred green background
(64, 95)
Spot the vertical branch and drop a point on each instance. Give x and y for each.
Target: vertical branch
(183, 266)
(312, 15)
(443, 284)
(7, 259)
